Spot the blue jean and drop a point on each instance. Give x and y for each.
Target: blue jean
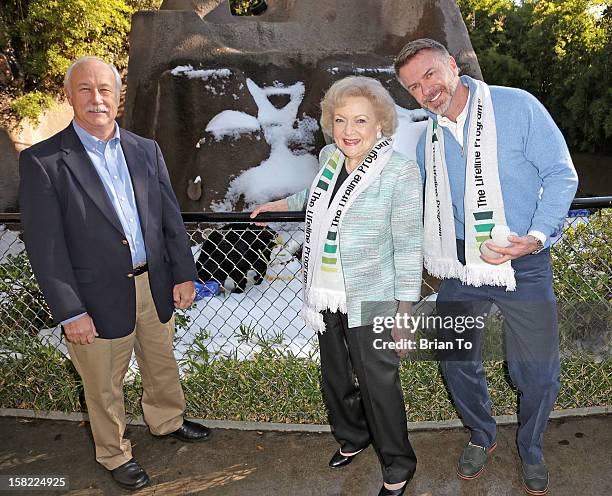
(532, 351)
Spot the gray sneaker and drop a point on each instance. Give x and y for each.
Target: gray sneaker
(472, 461)
(535, 478)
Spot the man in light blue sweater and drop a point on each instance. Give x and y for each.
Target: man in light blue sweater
(537, 182)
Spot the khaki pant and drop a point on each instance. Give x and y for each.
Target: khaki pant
(102, 366)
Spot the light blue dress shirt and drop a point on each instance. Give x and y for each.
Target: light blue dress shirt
(109, 162)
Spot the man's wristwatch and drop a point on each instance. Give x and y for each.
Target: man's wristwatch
(538, 242)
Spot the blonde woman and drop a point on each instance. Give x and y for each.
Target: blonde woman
(361, 256)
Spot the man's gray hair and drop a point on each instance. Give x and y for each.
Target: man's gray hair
(87, 58)
(414, 47)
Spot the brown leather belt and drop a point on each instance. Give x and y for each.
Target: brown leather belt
(141, 269)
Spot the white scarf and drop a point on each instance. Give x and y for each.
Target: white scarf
(323, 277)
(483, 202)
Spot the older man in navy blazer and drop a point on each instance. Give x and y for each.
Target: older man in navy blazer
(107, 244)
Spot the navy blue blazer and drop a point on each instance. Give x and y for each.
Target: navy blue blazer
(74, 239)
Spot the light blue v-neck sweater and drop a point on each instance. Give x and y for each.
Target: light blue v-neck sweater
(537, 177)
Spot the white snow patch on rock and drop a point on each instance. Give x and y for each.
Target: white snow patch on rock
(232, 123)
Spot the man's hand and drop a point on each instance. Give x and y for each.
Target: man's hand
(81, 330)
(521, 246)
(183, 294)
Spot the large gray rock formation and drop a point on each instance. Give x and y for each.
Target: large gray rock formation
(192, 61)
(9, 174)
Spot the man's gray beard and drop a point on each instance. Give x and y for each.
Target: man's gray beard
(444, 108)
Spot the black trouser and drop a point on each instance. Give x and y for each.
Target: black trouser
(362, 390)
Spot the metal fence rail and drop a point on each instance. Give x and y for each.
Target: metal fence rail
(247, 325)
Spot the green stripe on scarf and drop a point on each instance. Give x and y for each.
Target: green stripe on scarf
(484, 227)
(323, 185)
(483, 215)
(328, 269)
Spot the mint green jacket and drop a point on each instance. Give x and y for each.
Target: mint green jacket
(381, 240)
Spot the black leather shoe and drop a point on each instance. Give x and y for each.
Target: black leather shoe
(191, 432)
(340, 460)
(392, 492)
(472, 460)
(130, 475)
(535, 478)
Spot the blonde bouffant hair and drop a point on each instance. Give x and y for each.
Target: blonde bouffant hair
(367, 87)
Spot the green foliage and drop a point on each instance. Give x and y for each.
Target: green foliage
(181, 319)
(23, 307)
(55, 33)
(559, 50)
(47, 35)
(583, 284)
(242, 7)
(35, 375)
(42, 37)
(582, 259)
(31, 106)
(137, 5)
(271, 386)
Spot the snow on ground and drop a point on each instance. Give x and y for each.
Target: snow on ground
(10, 244)
(270, 309)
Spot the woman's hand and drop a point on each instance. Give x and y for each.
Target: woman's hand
(275, 206)
(403, 331)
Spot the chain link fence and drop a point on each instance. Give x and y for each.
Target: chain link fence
(245, 353)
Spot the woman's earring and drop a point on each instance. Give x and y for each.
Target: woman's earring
(378, 134)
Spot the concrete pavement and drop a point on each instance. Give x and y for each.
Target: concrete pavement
(236, 463)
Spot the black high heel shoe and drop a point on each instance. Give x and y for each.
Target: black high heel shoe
(392, 492)
(340, 460)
